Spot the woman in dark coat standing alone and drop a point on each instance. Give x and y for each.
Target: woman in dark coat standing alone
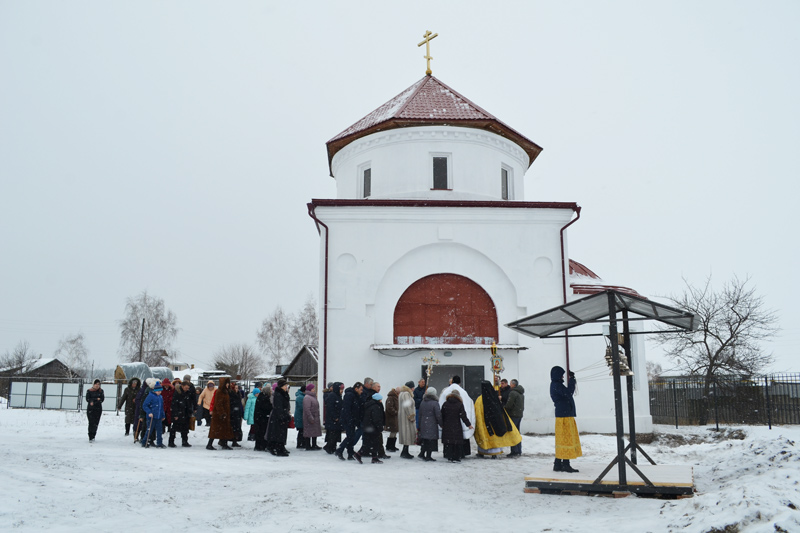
(94, 407)
(261, 417)
(221, 416)
(453, 414)
(278, 424)
(333, 413)
(128, 399)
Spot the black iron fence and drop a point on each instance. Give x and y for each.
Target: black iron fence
(754, 400)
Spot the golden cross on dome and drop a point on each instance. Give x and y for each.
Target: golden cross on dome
(427, 42)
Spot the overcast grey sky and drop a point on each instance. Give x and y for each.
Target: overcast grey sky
(172, 146)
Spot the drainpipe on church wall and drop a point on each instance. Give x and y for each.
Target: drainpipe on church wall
(312, 214)
(564, 274)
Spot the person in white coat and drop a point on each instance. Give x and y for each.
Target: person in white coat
(469, 407)
(406, 419)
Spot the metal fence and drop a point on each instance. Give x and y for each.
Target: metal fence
(55, 393)
(753, 400)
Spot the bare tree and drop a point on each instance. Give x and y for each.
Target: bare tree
(305, 326)
(275, 339)
(73, 353)
(654, 370)
(160, 330)
(283, 334)
(239, 360)
(20, 359)
(733, 324)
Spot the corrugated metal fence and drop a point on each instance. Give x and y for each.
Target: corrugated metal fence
(755, 400)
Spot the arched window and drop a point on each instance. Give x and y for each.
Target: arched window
(445, 309)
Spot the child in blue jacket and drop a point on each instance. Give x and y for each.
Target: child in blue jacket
(154, 408)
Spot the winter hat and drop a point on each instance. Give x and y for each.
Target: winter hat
(158, 387)
(410, 384)
(274, 386)
(187, 377)
(256, 391)
(432, 393)
(377, 396)
(281, 383)
(303, 388)
(310, 387)
(176, 380)
(330, 385)
(151, 382)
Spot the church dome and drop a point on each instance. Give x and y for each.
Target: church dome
(430, 142)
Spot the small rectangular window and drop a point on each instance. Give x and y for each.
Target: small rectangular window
(504, 183)
(440, 173)
(367, 182)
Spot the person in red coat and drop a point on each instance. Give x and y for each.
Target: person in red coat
(167, 394)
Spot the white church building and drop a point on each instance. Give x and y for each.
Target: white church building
(430, 246)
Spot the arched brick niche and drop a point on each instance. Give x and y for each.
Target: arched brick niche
(445, 309)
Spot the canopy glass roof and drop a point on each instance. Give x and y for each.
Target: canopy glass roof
(594, 307)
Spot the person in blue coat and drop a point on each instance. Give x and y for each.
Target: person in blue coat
(153, 407)
(568, 443)
(299, 396)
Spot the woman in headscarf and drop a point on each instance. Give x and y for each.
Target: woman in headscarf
(568, 443)
(312, 426)
(128, 399)
(453, 414)
(494, 430)
(236, 414)
(278, 424)
(220, 409)
(261, 413)
(430, 420)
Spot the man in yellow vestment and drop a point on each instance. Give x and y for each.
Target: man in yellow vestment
(494, 430)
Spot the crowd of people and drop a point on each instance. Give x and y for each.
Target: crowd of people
(411, 415)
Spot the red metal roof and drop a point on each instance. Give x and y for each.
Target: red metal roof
(429, 102)
(579, 269)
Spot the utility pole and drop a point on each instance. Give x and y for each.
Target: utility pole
(141, 342)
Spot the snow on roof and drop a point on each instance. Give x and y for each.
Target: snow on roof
(40, 363)
(582, 280)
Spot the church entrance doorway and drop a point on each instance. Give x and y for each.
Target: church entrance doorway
(471, 377)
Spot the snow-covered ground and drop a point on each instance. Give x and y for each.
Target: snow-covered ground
(747, 479)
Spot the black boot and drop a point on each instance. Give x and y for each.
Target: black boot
(357, 457)
(558, 466)
(375, 460)
(391, 444)
(127, 429)
(224, 445)
(210, 445)
(339, 454)
(565, 467)
(428, 456)
(185, 443)
(171, 443)
(235, 444)
(404, 454)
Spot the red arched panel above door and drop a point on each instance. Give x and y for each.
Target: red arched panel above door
(445, 309)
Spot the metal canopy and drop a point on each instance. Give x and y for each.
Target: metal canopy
(594, 307)
(590, 310)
